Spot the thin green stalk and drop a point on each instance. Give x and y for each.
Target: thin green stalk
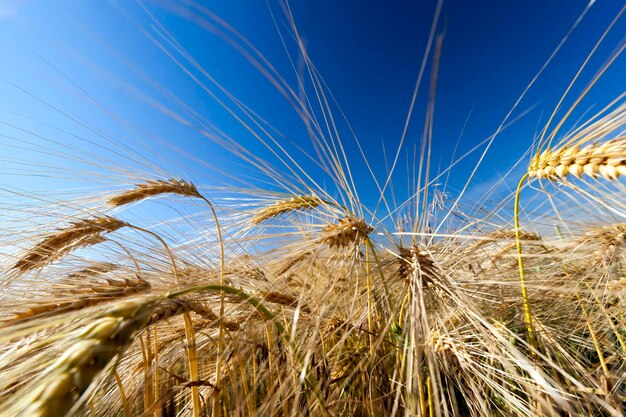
(520, 262)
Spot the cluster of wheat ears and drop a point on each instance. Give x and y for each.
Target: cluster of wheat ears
(306, 306)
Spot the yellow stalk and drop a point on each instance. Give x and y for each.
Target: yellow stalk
(146, 396)
(192, 358)
(370, 319)
(596, 343)
(520, 262)
(120, 387)
(148, 372)
(431, 406)
(157, 393)
(220, 343)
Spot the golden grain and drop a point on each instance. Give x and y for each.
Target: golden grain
(81, 233)
(350, 231)
(155, 187)
(607, 160)
(296, 203)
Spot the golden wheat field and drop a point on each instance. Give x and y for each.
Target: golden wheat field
(130, 288)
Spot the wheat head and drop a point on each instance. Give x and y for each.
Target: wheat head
(93, 348)
(608, 160)
(350, 231)
(81, 233)
(296, 203)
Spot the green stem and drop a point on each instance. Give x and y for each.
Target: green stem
(520, 262)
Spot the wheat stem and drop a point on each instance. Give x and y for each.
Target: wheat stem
(192, 358)
(220, 343)
(520, 262)
(120, 387)
(157, 393)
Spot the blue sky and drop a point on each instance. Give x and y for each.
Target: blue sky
(82, 74)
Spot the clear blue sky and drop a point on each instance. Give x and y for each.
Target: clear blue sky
(369, 53)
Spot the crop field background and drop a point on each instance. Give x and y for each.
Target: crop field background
(312, 208)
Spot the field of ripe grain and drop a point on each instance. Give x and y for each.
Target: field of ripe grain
(129, 288)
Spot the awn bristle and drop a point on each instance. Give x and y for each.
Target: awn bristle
(82, 233)
(606, 159)
(296, 203)
(155, 187)
(348, 232)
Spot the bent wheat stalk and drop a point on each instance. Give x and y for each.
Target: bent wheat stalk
(181, 187)
(582, 153)
(520, 262)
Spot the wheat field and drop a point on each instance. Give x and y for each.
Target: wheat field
(142, 292)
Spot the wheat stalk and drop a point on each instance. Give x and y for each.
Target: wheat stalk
(181, 187)
(82, 233)
(295, 203)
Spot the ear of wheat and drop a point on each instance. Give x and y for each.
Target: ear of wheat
(607, 160)
(296, 203)
(93, 348)
(350, 231)
(414, 260)
(81, 233)
(93, 269)
(79, 298)
(153, 188)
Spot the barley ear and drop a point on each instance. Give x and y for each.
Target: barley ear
(350, 231)
(81, 233)
(296, 203)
